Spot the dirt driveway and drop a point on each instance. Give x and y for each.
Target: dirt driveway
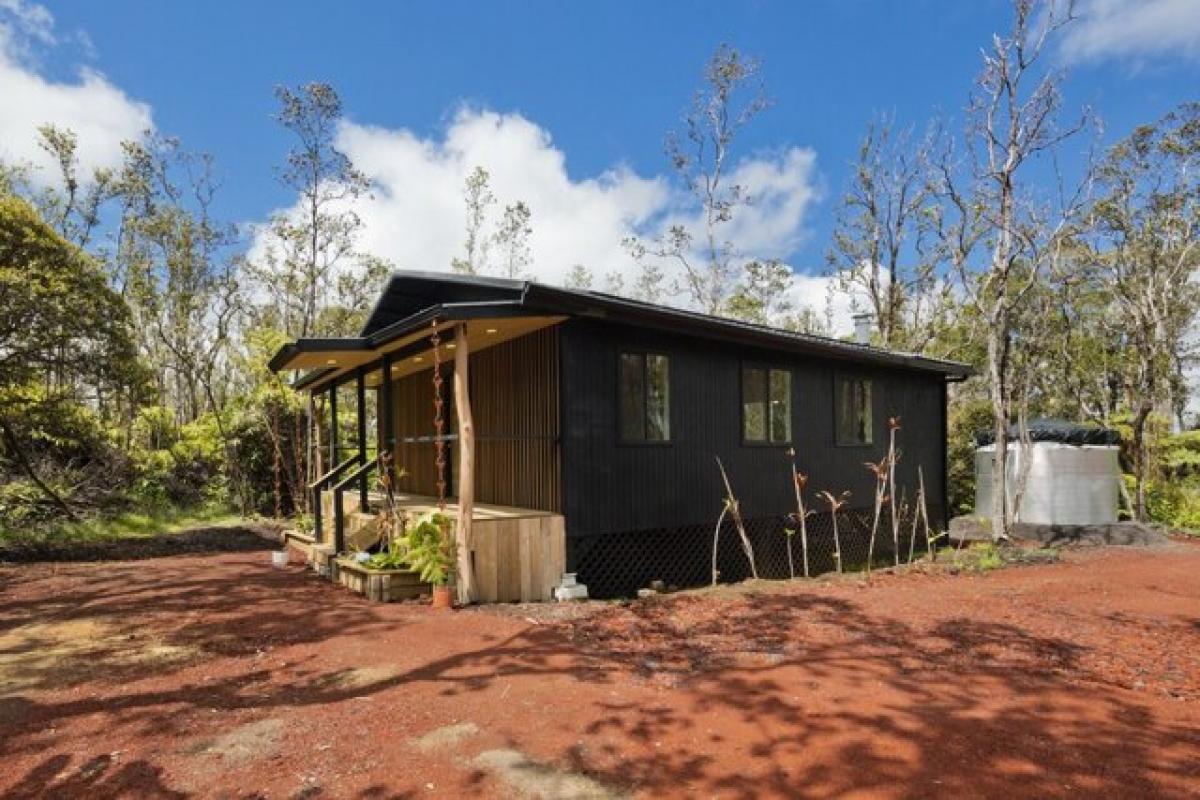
(218, 676)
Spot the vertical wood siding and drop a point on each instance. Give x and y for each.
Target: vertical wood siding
(413, 414)
(514, 397)
(612, 487)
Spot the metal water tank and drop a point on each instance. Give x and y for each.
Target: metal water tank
(1074, 474)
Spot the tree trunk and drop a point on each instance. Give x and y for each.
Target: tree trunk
(1140, 457)
(19, 455)
(231, 460)
(465, 574)
(1000, 428)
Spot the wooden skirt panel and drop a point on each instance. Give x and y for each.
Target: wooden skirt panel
(519, 560)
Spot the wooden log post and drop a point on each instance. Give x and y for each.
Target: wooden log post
(360, 402)
(333, 425)
(387, 414)
(464, 573)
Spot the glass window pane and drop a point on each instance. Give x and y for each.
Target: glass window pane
(754, 400)
(845, 421)
(863, 411)
(658, 398)
(781, 405)
(632, 395)
(855, 418)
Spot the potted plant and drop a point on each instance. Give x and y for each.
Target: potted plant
(429, 551)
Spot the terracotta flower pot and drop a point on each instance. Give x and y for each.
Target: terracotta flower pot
(443, 597)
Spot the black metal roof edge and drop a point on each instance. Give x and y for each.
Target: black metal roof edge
(443, 277)
(447, 311)
(457, 311)
(763, 335)
(311, 377)
(530, 295)
(314, 345)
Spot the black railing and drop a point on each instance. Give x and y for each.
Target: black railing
(360, 476)
(319, 484)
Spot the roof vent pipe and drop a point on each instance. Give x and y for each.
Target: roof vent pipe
(862, 328)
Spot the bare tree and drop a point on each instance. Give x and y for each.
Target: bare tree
(1146, 250)
(74, 207)
(614, 283)
(763, 295)
(180, 283)
(709, 262)
(72, 204)
(1013, 119)
(512, 239)
(580, 277)
(881, 247)
(650, 284)
(309, 247)
(478, 196)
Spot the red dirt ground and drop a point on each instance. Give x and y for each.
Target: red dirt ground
(218, 676)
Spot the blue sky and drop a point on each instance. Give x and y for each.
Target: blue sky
(595, 86)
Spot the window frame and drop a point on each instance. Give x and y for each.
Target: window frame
(645, 354)
(838, 380)
(767, 369)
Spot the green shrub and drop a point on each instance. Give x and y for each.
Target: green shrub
(965, 419)
(394, 557)
(1174, 502)
(429, 549)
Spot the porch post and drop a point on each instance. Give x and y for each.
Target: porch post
(360, 376)
(465, 573)
(316, 470)
(333, 426)
(388, 445)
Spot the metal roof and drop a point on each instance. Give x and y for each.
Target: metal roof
(413, 298)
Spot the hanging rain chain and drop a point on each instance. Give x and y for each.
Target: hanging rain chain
(439, 423)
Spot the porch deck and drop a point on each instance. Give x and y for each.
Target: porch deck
(519, 554)
(416, 504)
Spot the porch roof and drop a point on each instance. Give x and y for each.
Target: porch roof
(412, 300)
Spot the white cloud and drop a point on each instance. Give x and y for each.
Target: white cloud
(100, 113)
(417, 214)
(30, 20)
(1133, 29)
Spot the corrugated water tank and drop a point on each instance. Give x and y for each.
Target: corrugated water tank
(1073, 474)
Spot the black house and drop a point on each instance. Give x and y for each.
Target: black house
(601, 418)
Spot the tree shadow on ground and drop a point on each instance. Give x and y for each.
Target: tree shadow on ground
(103, 776)
(811, 695)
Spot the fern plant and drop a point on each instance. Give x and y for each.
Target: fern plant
(429, 550)
(393, 556)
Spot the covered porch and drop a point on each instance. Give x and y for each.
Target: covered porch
(460, 410)
(518, 553)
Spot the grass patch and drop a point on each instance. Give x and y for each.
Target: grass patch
(989, 556)
(133, 536)
(127, 525)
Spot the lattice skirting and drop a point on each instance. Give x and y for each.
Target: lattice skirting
(618, 564)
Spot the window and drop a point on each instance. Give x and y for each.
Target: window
(766, 405)
(645, 396)
(854, 411)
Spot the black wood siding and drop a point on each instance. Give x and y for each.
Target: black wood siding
(611, 487)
